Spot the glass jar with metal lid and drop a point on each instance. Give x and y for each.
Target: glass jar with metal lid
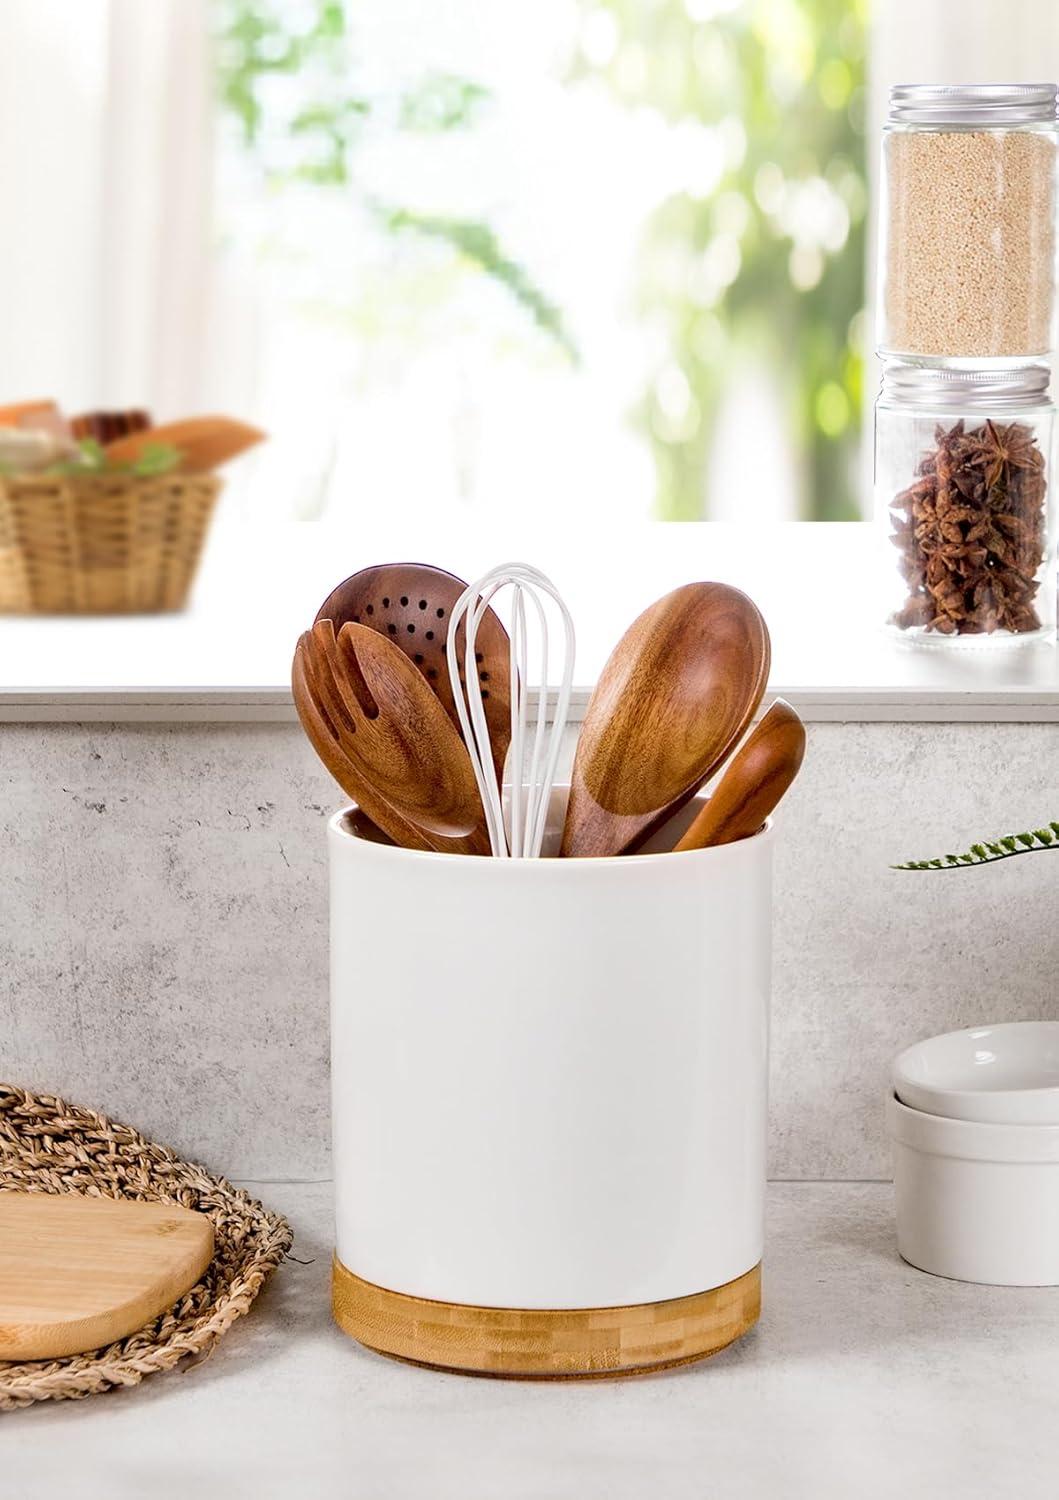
(967, 257)
(963, 464)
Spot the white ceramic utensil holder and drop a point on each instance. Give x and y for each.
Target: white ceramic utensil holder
(549, 1102)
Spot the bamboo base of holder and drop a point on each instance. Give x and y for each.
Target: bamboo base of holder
(543, 1344)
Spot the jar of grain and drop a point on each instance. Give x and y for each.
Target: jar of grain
(963, 464)
(967, 257)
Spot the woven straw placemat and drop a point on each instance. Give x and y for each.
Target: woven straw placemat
(49, 1146)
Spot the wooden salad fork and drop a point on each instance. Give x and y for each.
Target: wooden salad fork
(385, 737)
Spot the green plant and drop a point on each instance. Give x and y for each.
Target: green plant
(156, 458)
(312, 131)
(988, 852)
(765, 262)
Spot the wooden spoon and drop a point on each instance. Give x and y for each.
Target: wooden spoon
(203, 442)
(677, 693)
(754, 781)
(411, 604)
(391, 745)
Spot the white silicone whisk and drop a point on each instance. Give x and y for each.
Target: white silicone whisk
(519, 836)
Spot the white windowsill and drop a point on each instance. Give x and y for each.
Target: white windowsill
(228, 656)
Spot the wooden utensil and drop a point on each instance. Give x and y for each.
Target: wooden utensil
(204, 443)
(316, 700)
(411, 604)
(754, 781)
(394, 739)
(676, 694)
(77, 1273)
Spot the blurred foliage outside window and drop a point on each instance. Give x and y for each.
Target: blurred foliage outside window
(766, 258)
(757, 262)
(308, 132)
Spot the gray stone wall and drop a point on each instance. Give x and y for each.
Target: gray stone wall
(163, 928)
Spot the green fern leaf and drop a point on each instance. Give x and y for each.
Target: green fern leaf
(989, 851)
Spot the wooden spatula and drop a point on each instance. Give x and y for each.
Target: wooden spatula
(77, 1273)
(204, 443)
(756, 777)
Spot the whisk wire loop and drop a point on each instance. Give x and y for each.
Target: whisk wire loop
(521, 834)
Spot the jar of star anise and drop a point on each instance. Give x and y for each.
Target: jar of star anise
(963, 463)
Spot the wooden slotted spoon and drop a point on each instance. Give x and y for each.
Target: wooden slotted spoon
(754, 781)
(675, 696)
(385, 737)
(410, 603)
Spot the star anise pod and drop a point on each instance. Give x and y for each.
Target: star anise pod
(970, 531)
(1000, 448)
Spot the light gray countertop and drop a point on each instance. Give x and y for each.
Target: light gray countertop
(864, 1378)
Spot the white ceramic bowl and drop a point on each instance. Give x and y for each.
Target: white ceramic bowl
(1001, 1075)
(976, 1202)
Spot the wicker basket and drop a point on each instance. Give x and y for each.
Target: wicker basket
(102, 543)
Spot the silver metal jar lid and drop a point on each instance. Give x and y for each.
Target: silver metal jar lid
(927, 386)
(964, 104)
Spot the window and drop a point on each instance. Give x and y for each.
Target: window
(590, 262)
(599, 259)
(603, 255)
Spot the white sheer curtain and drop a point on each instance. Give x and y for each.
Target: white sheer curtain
(961, 41)
(106, 173)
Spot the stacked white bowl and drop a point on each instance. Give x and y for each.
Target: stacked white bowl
(974, 1120)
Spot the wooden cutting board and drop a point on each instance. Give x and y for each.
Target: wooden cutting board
(77, 1273)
